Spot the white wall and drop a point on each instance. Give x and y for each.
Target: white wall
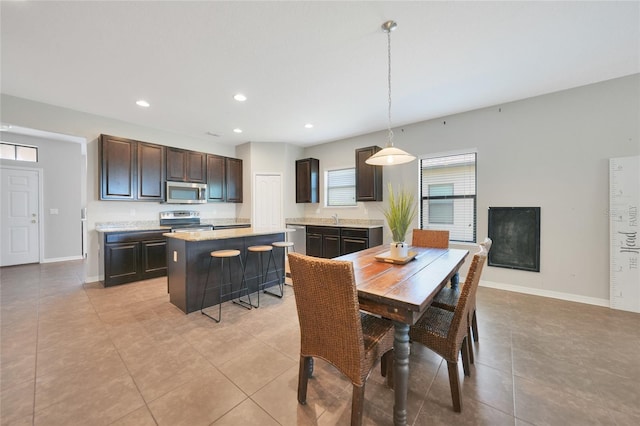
(550, 151)
(61, 165)
(271, 157)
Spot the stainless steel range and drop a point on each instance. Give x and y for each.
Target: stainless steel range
(183, 221)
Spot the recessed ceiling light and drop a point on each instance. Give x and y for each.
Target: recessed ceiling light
(240, 97)
(308, 126)
(236, 130)
(142, 103)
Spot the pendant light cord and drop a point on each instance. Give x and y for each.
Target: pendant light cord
(390, 142)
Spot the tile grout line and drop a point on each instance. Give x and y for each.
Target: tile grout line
(115, 347)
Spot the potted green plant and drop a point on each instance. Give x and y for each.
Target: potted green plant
(400, 214)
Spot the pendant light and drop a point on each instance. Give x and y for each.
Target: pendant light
(390, 155)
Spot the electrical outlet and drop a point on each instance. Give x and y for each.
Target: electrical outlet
(175, 256)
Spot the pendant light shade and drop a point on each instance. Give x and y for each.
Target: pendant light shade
(390, 155)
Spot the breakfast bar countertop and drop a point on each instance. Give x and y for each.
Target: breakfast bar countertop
(342, 223)
(151, 225)
(223, 234)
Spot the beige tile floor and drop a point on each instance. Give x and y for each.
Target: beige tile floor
(81, 354)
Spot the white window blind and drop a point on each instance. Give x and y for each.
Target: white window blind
(341, 187)
(440, 203)
(448, 195)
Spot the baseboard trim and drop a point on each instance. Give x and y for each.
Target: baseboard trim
(547, 293)
(89, 280)
(62, 259)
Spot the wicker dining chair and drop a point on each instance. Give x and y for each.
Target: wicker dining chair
(447, 298)
(430, 238)
(333, 328)
(445, 332)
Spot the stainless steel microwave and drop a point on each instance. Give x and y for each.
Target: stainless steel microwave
(186, 193)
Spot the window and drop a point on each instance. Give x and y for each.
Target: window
(448, 195)
(10, 151)
(341, 187)
(440, 203)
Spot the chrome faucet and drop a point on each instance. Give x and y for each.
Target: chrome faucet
(335, 218)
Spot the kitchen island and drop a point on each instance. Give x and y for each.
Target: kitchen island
(188, 255)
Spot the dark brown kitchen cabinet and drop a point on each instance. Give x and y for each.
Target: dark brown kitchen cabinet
(131, 170)
(137, 171)
(154, 257)
(117, 168)
(314, 242)
(150, 172)
(331, 243)
(323, 241)
(186, 166)
(334, 241)
(233, 175)
(216, 178)
(368, 177)
(307, 180)
(224, 179)
(356, 239)
(134, 256)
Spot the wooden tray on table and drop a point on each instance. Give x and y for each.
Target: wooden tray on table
(386, 257)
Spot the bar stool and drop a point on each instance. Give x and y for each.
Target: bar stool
(285, 246)
(222, 255)
(262, 274)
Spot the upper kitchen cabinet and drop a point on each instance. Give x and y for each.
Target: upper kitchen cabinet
(216, 178)
(233, 174)
(224, 179)
(186, 166)
(131, 170)
(117, 168)
(150, 172)
(307, 180)
(368, 177)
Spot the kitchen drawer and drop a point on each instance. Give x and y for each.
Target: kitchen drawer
(324, 230)
(355, 232)
(135, 236)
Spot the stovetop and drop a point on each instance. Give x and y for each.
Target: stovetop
(180, 218)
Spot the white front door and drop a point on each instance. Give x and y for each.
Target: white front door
(19, 228)
(267, 203)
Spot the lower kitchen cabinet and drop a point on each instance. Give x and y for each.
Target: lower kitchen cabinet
(134, 256)
(323, 241)
(314, 241)
(353, 240)
(331, 243)
(334, 241)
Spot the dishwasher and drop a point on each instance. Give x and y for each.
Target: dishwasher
(298, 238)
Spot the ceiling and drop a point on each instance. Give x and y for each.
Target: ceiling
(322, 62)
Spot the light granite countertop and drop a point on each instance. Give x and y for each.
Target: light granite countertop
(342, 223)
(223, 234)
(151, 225)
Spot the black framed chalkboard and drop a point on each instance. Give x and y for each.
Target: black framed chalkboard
(515, 233)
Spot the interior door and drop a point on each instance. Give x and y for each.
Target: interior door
(19, 216)
(268, 203)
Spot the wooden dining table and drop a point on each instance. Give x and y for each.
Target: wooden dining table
(402, 293)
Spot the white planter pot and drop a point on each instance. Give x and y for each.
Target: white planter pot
(399, 250)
